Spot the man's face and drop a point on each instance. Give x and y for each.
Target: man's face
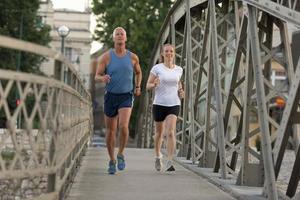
(120, 36)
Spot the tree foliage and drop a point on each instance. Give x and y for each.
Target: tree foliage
(19, 19)
(142, 20)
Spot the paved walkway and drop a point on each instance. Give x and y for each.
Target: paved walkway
(139, 181)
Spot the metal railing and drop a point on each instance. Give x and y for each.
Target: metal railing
(43, 136)
(228, 50)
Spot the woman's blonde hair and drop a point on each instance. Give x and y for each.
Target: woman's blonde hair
(161, 57)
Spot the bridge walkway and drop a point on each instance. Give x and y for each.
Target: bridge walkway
(139, 181)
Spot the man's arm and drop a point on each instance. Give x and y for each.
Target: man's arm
(138, 74)
(100, 76)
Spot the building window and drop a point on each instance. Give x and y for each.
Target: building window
(68, 53)
(40, 21)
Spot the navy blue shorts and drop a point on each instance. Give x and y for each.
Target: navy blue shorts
(161, 112)
(113, 102)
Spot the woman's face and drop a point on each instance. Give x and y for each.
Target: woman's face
(168, 53)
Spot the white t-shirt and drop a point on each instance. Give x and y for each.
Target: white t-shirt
(166, 93)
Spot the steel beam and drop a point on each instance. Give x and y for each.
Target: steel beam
(273, 8)
(262, 109)
(217, 88)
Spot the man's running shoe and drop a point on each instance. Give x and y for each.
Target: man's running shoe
(112, 167)
(121, 162)
(170, 167)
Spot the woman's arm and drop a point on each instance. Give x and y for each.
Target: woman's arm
(181, 92)
(153, 81)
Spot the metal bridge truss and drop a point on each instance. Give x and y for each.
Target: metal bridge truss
(228, 50)
(44, 137)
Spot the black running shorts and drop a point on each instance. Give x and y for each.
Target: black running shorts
(161, 112)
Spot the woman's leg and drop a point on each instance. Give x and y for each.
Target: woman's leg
(170, 127)
(159, 128)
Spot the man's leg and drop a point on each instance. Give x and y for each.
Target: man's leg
(111, 127)
(124, 116)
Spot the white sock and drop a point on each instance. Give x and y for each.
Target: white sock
(160, 156)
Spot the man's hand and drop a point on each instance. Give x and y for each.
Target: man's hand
(104, 79)
(137, 91)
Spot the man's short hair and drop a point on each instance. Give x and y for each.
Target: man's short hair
(114, 32)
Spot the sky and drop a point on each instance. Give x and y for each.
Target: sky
(70, 4)
(80, 6)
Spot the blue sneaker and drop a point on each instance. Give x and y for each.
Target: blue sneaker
(112, 167)
(121, 162)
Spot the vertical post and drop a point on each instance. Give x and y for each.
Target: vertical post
(236, 17)
(173, 31)
(20, 37)
(51, 177)
(217, 88)
(246, 110)
(18, 67)
(62, 49)
(189, 69)
(63, 32)
(205, 49)
(208, 98)
(183, 148)
(262, 109)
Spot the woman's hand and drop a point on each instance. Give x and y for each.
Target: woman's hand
(181, 93)
(153, 82)
(156, 82)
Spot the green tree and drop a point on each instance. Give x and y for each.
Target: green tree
(19, 19)
(142, 20)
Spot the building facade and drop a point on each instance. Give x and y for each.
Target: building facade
(97, 90)
(77, 43)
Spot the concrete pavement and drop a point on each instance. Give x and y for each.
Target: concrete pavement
(139, 181)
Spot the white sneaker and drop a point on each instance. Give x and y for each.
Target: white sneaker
(158, 164)
(170, 167)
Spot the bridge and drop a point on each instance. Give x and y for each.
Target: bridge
(235, 127)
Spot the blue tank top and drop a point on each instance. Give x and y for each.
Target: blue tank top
(120, 70)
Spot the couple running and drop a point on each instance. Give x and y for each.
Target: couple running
(119, 65)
